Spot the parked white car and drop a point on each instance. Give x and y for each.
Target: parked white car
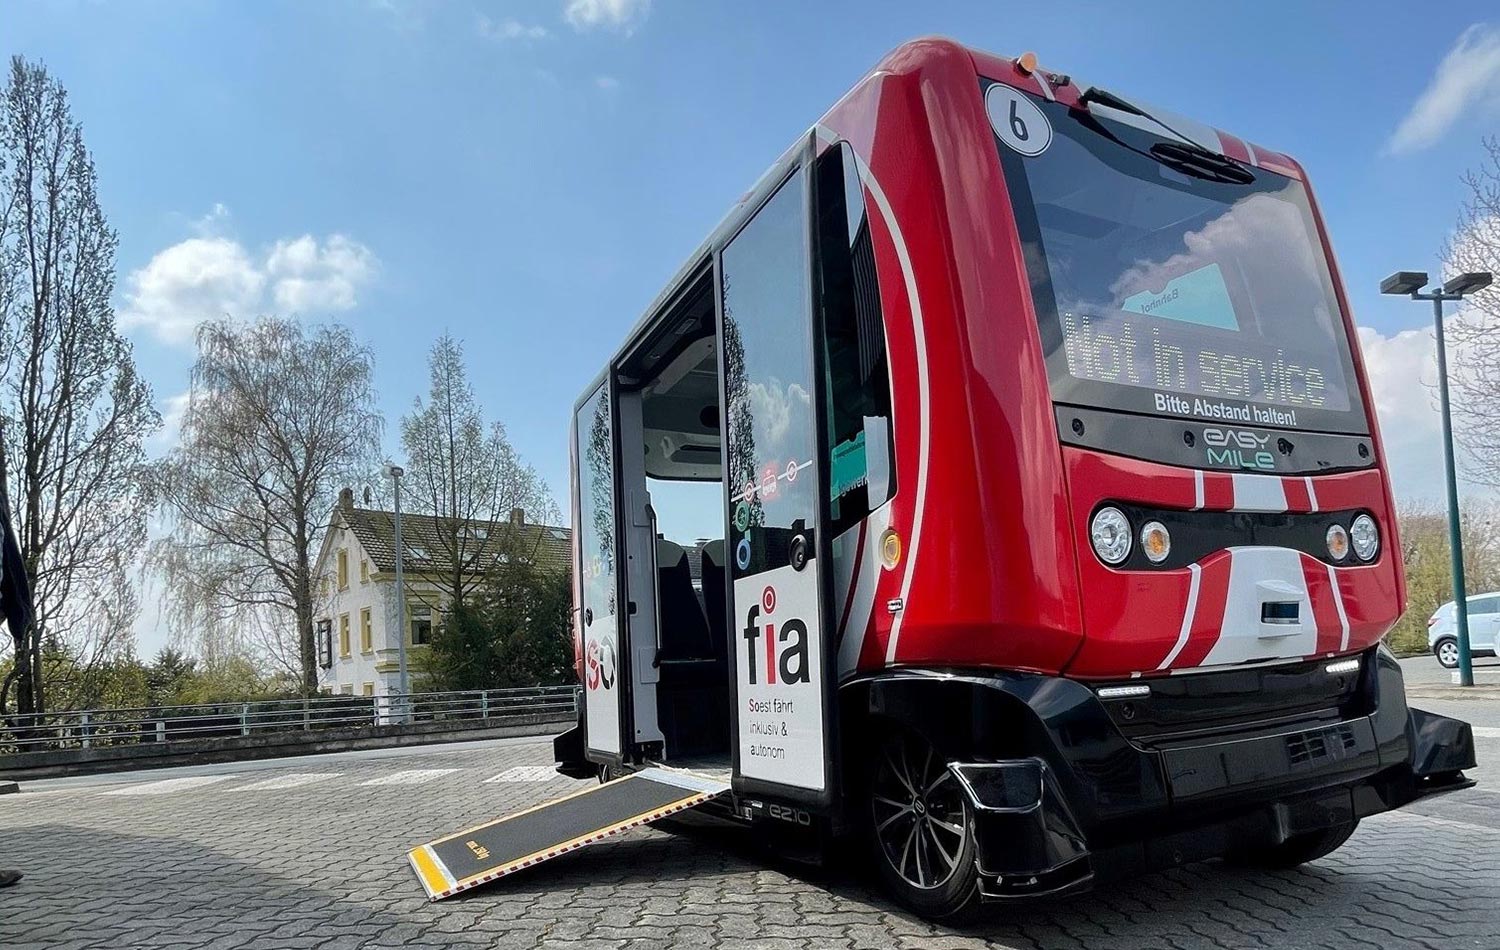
(1442, 629)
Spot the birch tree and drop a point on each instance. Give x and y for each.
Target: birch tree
(1474, 336)
(279, 416)
(74, 413)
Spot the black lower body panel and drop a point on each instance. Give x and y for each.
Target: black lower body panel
(1066, 791)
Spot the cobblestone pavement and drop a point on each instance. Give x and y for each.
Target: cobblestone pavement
(310, 854)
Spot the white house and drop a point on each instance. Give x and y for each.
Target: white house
(356, 615)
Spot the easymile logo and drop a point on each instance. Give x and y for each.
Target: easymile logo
(784, 648)
(1238, 448)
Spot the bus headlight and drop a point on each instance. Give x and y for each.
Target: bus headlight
(1365, 537)
(1338, 542)
(1110, 533)
(1156, 541)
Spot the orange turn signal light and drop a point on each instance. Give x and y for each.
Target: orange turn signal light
(1027, 63)
(890, 549)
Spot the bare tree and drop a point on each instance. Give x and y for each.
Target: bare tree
(74, 414)
(1474, 338)
(278, 416)
(466, 475)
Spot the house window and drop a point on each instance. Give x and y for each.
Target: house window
(347, 689)
(343, 634)
(364, 570)
(325, 643)
(421, 626)
(366, 637)
(343, 570)
(369, 689)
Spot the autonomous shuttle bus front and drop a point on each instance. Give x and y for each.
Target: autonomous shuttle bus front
(999, 483)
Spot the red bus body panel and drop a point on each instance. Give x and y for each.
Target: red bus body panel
(996, 568)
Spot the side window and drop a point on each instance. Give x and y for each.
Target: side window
(1485, 605)
(860, 454)
(768, 380)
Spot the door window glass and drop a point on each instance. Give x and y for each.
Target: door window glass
(857, 375)
(768, 383)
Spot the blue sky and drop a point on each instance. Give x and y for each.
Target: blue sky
(528, 174)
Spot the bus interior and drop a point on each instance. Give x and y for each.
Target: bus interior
(671, 447)
(671, 478)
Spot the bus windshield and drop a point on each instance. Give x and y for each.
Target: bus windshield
(1161, 290)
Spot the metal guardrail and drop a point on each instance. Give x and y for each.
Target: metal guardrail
(88, 728)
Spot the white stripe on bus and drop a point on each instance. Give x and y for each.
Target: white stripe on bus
(1258, 492)
(1192, 608)
(919, 339)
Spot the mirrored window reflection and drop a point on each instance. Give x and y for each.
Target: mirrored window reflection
(857, 374)
(768, 382)
(596, 503)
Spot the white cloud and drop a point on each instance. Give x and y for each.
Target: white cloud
(192, 281)
(172, 409)
(310, 278)
(1402, 369)
(1467, 79)
(509, 29)
(207, 277)
(624, 15)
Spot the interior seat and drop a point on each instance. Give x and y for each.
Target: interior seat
(693, 692)
(684, 629)
(714, 599)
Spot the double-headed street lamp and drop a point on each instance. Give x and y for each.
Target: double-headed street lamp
(1410, 284)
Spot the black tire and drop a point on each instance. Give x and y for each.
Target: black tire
(1446, 651)
(921, 828)
(1296, 850)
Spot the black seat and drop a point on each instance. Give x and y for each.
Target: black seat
(693, 691)
(714, 599)
(684, 630)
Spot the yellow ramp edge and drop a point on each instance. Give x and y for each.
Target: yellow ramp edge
(487, 852)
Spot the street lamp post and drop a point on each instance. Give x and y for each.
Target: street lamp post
(395, 472)
(1410, 284)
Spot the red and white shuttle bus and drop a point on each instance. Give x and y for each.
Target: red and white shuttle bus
(1049, 527)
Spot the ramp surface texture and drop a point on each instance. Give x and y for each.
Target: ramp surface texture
(506, 845)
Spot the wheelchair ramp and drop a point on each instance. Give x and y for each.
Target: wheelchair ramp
(489, 851)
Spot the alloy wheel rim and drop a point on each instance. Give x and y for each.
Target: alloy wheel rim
(1448, 654)
(921, 821)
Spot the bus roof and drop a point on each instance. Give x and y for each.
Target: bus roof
(912, 56)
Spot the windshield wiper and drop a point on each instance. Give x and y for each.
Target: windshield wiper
(1185, 156)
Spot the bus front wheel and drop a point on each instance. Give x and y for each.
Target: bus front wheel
(921, 827)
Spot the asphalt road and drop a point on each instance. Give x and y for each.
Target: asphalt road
(309, 853)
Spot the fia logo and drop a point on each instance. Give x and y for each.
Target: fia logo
(784, 649)
(601, 664)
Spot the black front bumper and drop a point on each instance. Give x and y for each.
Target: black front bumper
(1208, 765)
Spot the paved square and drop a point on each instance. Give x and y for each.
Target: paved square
(311, 854)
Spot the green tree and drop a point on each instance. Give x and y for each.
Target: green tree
(1429, 574)
(463, 471)
(234, 679)
(512, 631)
(74, 412)
(170, 676)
